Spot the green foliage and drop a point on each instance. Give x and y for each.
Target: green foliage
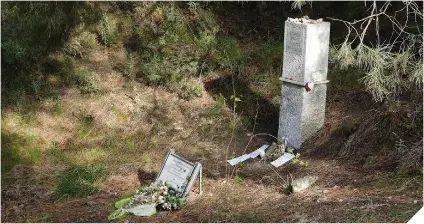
(386, 73)
(345, 55)
(237, 179)
(87, 120)
(107, 31)
(228, 53)
(122, 202)
(188, 89)
(32, 29)
(130, 66)
(269, 55)
(246, 121)
(172, 48)
(56, 156)
(18, 149)
(121, 115)
(218, 104)
(296, 159)
(79, 181)
(131, 145)
(58, 109)
(416, 76)
(86, 81)
(343, 79)
(157, 193)
(79, 43)
(87, 39)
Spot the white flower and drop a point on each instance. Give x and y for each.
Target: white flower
(163, 188)
(165, 193)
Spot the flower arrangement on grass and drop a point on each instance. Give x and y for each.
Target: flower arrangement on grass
(146, 201)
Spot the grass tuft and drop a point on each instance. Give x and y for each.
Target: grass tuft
(79, 181)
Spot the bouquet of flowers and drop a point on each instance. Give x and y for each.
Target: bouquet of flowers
(145, 202)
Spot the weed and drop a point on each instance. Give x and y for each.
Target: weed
(131, 145)
(107, 34)
(79, 181)
(343, 79)
(130, 69)
(87, 39)
(246, 121)
(218, 104)
(269, 55)
(237, 179)
(190, 89)
(89, 156)
(86, 81)
(296, 159)
(58, 108)
(228, 53)
(146, 158)
(121, 115)
(56, 156)
(34, 155)
(17, 149)
(87, 120)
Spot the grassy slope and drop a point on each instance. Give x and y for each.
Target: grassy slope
(128, 127)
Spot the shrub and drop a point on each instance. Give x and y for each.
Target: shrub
(79, 181)
(45, 27)
(172, 47)
(387, 73)
(218, 105)
(188, 89)
(86, 81)
(228, 53)
(17, 149)
(269, 55)
(108, 30)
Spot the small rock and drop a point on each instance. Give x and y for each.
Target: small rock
(415, 201)
(90, 203)
(178, 128)
(325, 191)
(390, 197)
(340, 200)
(335, 187)
(323, 199)
(303, 183)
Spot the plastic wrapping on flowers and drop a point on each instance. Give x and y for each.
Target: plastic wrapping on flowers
(158, 194)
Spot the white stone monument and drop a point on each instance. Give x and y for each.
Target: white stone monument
(304, 79)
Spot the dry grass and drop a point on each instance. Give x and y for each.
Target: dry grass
(131, 128)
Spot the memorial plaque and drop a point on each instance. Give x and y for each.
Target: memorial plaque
(294, 43)
(179, 172)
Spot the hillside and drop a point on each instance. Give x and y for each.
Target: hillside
(137, 79)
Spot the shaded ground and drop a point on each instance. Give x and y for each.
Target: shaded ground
(133, 126)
